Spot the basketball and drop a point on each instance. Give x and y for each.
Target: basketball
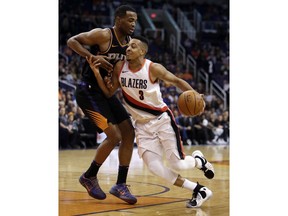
(190, 103)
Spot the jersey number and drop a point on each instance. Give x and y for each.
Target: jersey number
(141, 95)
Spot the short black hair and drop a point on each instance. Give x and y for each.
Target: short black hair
(141, 38)
(121, 10)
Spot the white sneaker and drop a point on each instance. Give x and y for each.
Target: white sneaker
(199, 196)
(205, 166)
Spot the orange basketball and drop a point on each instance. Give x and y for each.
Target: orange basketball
(190, 103)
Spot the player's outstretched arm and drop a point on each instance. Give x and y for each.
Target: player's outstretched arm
(158, 71)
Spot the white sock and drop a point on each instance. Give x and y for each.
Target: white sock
(189, 185)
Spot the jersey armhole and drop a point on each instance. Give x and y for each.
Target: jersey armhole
(149, 73)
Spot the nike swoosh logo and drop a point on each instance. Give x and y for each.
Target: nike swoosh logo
(114, 45)
(125, 71)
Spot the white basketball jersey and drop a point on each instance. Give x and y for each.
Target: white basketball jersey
(143, 98)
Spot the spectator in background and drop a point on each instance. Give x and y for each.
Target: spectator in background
(210, 68)
(73, 128)
(202, 133)
(69, 129)
(64, 130)
(220, 131)
(185, 126)
(226, 125)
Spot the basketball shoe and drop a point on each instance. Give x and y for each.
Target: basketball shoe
(200, 195)
(205, 166)
(122, 192)
(92, 187)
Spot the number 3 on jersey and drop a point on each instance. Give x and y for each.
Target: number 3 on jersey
(141, 95)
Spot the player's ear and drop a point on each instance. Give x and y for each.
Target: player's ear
(117, 20)
(143, 51)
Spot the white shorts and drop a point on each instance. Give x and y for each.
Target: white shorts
(158, 135)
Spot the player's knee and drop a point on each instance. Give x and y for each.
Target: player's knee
(153, 167)
(114, 135)
(127, 130)
(117, 136)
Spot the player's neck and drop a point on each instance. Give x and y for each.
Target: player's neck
(120, 36)
(136, 64)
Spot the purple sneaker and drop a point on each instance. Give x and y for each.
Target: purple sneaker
(92, 187)
(122, 192)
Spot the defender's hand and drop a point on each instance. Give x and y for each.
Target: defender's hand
(94, 64)
(108, 81)
(105, 64)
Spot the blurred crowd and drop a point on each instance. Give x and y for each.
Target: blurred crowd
(211, 127)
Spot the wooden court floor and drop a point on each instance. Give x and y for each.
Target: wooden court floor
(155, 196)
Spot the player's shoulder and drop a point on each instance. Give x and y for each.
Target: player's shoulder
(105, 32)
(155, 65)
(100, 35)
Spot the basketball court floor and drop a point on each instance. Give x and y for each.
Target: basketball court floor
(155, 196)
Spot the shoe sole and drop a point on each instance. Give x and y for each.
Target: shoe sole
(199, 205)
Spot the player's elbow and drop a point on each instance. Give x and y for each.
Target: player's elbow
(71, 41)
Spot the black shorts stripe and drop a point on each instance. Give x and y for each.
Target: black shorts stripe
(177, 132)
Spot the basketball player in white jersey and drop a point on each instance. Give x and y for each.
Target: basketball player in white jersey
(156, 131)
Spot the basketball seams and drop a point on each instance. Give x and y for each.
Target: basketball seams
(195, 105)
(186, 104)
